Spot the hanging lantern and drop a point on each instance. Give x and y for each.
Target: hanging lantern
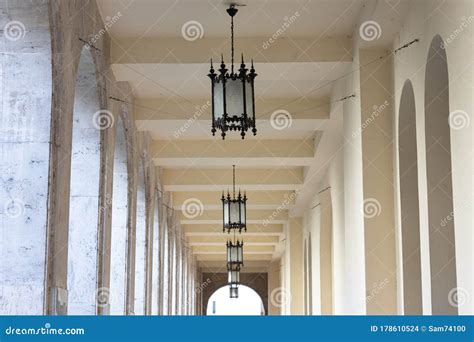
(233, 98)
(234, 210)
(235, 254)
(234, 291)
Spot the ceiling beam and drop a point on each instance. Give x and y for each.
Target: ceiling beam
(252, 215)
(152, 109)
(203, 198)
(165, 50)
(216, 229)
(194, 179)
(216, 240)
(192, 149)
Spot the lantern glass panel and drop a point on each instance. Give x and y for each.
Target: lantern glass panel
(234, 292)
(234, 254)
(226, 214)
(240, 256)
(234, 97)
(234, 276)
(244, 212)
(234, 212)
(218, 99)
(249, 98)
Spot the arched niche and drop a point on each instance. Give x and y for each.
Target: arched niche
(439, 181)
(25, 136)
(84, 191)
(140, 242)
(118, 246)
(249, 303)
(409, 202)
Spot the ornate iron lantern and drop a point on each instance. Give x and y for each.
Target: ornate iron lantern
(235, 253)
(234, 210)
(233, 96)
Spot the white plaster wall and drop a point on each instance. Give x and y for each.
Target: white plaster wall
(353, 197)
(336, 182)
(25, 115)
(425, 20)
(312, 224)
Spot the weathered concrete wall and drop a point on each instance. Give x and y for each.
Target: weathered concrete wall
(25, 104)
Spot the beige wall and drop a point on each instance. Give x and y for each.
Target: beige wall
(326, 254)
(295, 237)
(275, 290)
(448, 19)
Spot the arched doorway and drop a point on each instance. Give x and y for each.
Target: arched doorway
(211, 282)
(84, 191)
(118, 248)
(249, 303)
(439, 181)
(409, 203)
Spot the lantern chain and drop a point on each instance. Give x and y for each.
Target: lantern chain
(233, 179)
(232, 41)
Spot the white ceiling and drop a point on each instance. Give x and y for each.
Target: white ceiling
(164, 18)
(168, 77)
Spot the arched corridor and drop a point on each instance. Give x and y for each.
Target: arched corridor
(343, 188)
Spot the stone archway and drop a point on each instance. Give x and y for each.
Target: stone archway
(256, 281)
